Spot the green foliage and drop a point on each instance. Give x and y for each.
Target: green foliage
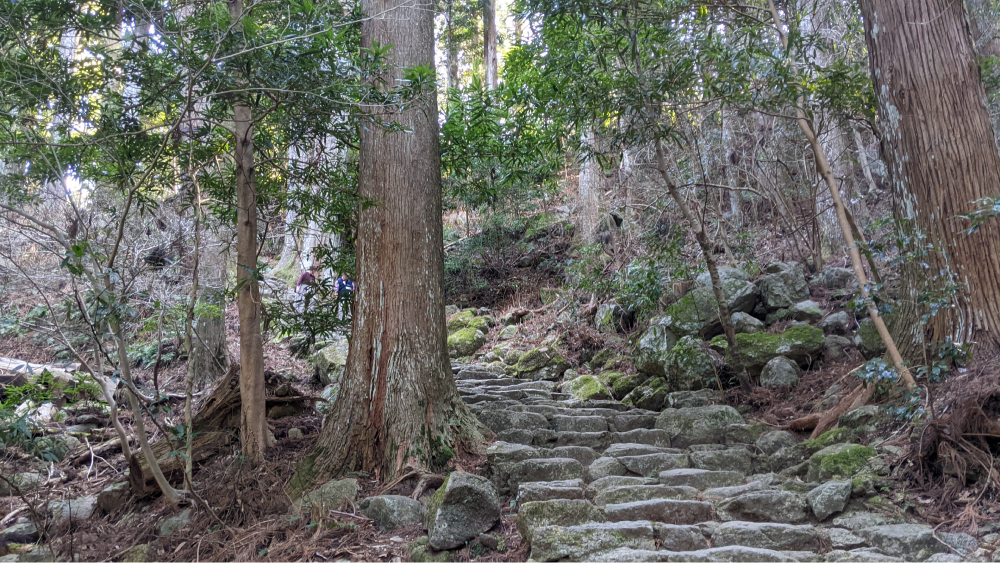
(497, 153)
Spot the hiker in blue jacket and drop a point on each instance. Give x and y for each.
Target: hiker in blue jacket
(344, 292)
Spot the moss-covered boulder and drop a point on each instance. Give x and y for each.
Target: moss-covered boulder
(868, 341)
(697, 313)
(601, 358)
(328, 363)
(465, 506)
(471, 318)
(691, 365)
(838, 461)
(650, 395)
(466, 341)
(653, 346)
(801, 344)
(541, 363)
(610, 318)
(619, 384)
(783, 289)
(586, 387)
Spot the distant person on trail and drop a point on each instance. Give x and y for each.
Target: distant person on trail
(344, 291)
(305, 287)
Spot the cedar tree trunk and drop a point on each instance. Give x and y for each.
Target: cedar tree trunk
(937, 141)
(398, 404)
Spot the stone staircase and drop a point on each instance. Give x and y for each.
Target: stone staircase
(600, 481)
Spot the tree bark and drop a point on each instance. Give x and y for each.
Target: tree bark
(253, 420)
(937, 140)
(490, 42)
(589, 192)
(398, 404)
(452, 47)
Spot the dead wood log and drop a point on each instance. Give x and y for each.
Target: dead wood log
(205, 445)
(853, 400)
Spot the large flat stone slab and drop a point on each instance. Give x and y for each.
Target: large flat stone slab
(661, 510)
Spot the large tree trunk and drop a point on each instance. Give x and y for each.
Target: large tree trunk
(398, 404)
(490, 42)
(253, 420)
(937, 141)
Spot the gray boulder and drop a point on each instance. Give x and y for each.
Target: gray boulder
(835, 347)
(465, 506)
(779, 372)
(833, 278)
(837, 323)
(81, 508)
(23, 482)
(859, 417)
(829, 498)
(783, 289)
(652, 348)
(698, 425)
(699, 398)
(726, 273)
(330, 496)
(697, 313)
(392, 511)
(772, 441)
(806, 311)
(175, 523)
(113, 497)
(746, 323)
(22, 531)
(329, 361)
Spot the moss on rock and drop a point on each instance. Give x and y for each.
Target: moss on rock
(692, 365)
(799, 343)
(587, 387)
(838, 461)
(466, 341)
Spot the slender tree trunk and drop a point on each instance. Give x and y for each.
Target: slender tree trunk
(589, 192)
(938, 143)
(253, 420)
(708, 250)
(452, 48)
(398, 404)
(490, 42)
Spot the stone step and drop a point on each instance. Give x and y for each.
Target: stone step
(669, 511)
(624, 449)
(734, 459)
(564, 423)
(767, 535)
(700, 479)
(600, 485)
(580, 543)
(767, 505)
(732, 553)
(550, 490)
(650, 465)
(633, 493)
(558, 512)
(601, 440)
(544, 469)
